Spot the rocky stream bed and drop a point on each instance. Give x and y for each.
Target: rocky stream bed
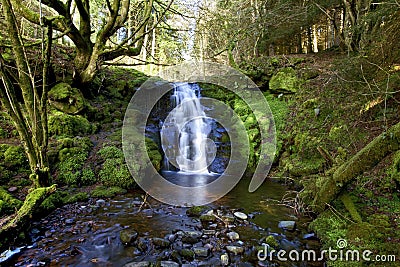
(127, 231)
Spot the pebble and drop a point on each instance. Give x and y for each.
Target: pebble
(233, 236)
(137, 264)
(12, 189)
(224, 259)
(201, 251)
(240, 215)
(169, 264)
(128, 236)
(287, 225)
(235, 249)
(69, 221)
(162, 243)
(100, 202)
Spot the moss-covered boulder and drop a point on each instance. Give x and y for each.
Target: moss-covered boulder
(8, 203)
(63, 124)
(66, 98)
(285, 80)
(14, 157)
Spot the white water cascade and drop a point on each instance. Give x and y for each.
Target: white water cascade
(184, 135)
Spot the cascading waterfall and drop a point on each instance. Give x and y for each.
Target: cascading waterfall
(185, 131)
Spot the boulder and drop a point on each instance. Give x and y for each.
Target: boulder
(66, 98)
(285, 80)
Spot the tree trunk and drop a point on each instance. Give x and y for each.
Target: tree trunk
(365, 159)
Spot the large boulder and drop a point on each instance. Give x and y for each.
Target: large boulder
(285, 80)
(66, 98)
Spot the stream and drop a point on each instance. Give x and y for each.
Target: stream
(88, 234)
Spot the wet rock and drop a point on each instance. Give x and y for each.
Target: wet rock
(240, 215)
(201, 251)
(69, 221)
(287, 225)
(162, 243)
(137, 264)
(196, 211)
(224, 259)
(171, 237)
(66, 99)
(8, 254)
(287, 245)
(310, 236)
(128, 236)
(48, 233)
(235, 249)
(142, 244)
(209, 232)
(100, 202)
(233, 236)
(187, 253)
(271, 241)
(228, 218)
(191, 237)
(169, 264)
(12, 189)
(208, 218)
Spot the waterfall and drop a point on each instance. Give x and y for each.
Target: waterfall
(184, 135)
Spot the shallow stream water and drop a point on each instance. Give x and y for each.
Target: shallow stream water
(88, 234)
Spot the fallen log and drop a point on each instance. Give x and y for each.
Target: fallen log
(383, 145)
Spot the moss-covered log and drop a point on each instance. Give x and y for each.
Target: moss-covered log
(386, 143)
(13, 224)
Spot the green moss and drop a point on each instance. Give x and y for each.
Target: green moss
(70, 169)
(66, 99)
(15, 157)
(54, 201)
(78, 197)
(349, 204)
(8, 203)
(88, 177)
(153, 153)
(103, 191)
(63, 124)
(196, 211)
(285, 79)
(271, 241)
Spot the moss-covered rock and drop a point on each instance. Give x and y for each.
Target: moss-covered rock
(15, 157)
(66, 99)
(63, 124)
(285, 80)
(8, 203)
(103, 191)
(72, 155)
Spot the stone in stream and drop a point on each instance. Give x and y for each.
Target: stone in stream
(159, 242)
(287, 225)
(235, 249)
(208, 218)
(196, 211)
(69, 221)
(137, 264)
(187, 253)
(201, 251)
(224, 259)
(240, 215)
(128, 236)
(100, 202)
(169, 264)
(191, 237)
(233, 236)
(228, 218)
